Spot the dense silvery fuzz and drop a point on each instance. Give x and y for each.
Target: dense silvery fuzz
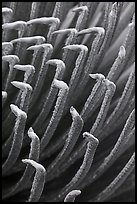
(68, 101)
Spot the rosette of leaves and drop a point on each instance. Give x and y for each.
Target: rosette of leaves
(68, 112)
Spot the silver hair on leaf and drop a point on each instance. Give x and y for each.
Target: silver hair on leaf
(68, 101)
